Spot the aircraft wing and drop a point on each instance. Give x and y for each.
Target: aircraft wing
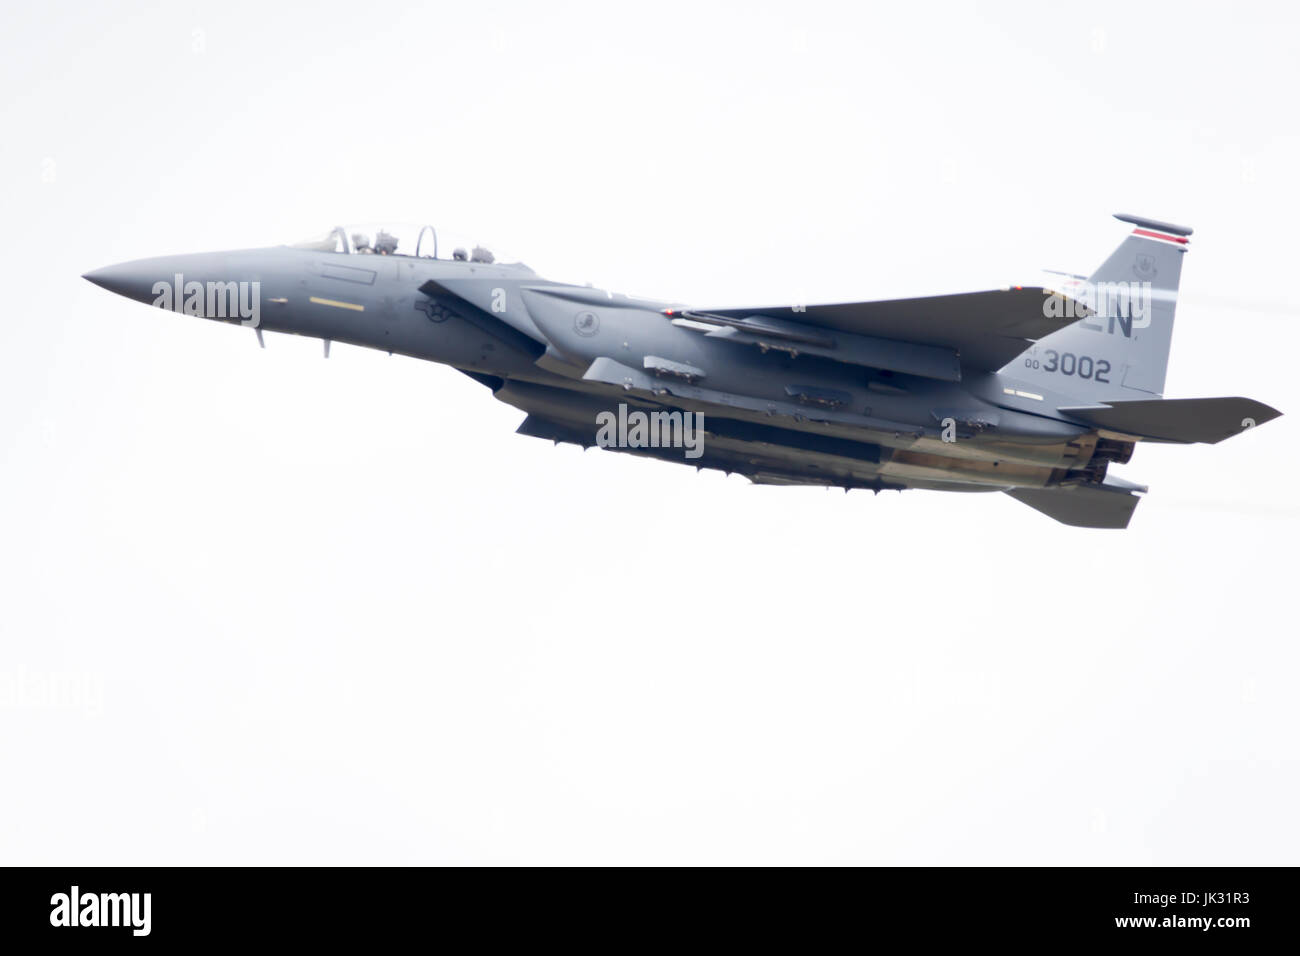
(987, 329)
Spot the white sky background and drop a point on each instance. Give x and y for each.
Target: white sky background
(336, 612)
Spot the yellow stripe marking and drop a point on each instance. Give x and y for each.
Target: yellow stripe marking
(339, 305)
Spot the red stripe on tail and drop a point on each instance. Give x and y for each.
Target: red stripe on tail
(1149, 234)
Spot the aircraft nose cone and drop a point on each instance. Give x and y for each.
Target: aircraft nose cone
(126, 279)
(166, 281)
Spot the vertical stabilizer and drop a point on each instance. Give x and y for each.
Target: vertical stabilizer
(1120, 353)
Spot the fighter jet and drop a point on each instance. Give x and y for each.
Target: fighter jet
(1034, 391)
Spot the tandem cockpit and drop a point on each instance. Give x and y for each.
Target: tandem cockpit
(402, 239)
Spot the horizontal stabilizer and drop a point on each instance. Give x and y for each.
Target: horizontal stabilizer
(1184, 420)
(1109, 505)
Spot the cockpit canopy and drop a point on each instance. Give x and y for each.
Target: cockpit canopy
(400, 239)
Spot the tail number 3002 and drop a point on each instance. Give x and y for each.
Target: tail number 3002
(1067, 363)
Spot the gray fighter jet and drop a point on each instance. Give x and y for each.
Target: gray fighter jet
(1032, 391)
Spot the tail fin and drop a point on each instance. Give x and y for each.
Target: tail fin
(1121, 352)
